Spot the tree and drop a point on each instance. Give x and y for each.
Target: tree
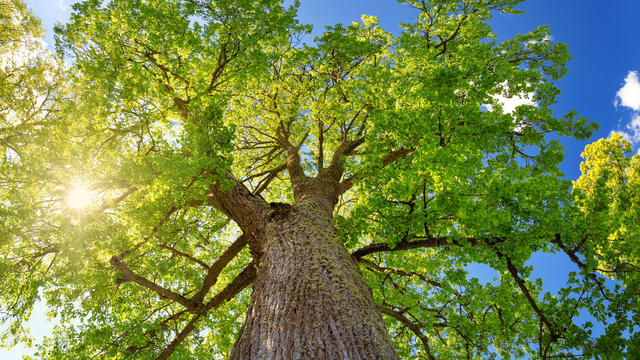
(327, 195)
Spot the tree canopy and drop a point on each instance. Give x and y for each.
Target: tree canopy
(119, 170)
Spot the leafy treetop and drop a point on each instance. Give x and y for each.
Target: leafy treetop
(169, 103)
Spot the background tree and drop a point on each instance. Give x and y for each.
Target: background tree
(343, 179)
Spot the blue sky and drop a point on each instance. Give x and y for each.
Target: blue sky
(603, 40)
(602, 84)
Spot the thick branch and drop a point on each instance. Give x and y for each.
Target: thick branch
(384, 247)
(320, 146)
(116, 261)
(246, 209)
(168, 351)
(428, 242)
(230, 291)
(300, 182)
(411, 326)
(383, 269)
(336, 165)
(244, 279)
(51, 249)
(215, 269)
(294, 166)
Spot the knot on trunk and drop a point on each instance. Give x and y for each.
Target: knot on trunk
(279, 211)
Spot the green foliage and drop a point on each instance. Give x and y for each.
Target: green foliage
(30, 86)
(164, 98)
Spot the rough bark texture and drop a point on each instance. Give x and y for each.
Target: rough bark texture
(309, 298)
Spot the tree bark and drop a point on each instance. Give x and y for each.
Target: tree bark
(309, 299)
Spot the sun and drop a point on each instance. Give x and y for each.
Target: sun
(79, 197)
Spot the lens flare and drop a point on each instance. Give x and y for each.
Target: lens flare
(79, 197)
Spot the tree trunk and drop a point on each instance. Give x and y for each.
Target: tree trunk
(309, 298)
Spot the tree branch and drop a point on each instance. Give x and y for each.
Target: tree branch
(336, 165)
(244, 279)
(411, 326)
(320, 146)
(294, 166)
(272, 174)
(297, 176)
(576, 260)
(386, 160)
(247, 210)
(150, 334)
(51, 249)
(217, 267)
(527, 294)
(407, 245)
(169, 350)
(116, 261)
(238, 284)
(383, 269)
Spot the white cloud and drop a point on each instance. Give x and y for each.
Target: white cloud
(62, 5)
(510, 101)
(509, 104)
(631, 132)
(625, 136)
(629, 94)
(634, 128)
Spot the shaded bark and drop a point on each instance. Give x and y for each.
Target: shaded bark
(246, 209)
(309, 298)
